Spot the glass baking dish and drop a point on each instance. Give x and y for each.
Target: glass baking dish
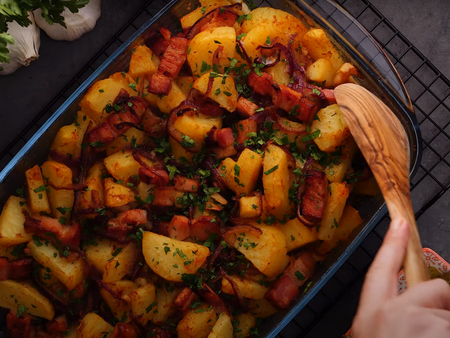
(358, 48)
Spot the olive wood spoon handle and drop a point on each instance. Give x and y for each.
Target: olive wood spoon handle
(383, 142)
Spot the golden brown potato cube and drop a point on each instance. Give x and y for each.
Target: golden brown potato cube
(202, 47)
(12, 231)
(101, 93)
(250, 206)
(94, 196)
(9, 252)
(14, 294)
(36, 191)
(179, 152)
(133, 137)
(349, 221)
(143, 303)
(320, 47)
(168, 102)
(189, 19)
(69, 273)
(336, 172)
(120, 309)
(122, 165)
(297, 234)
(332, 128)
(166, 293)
(279, 73)
(142, 63)
(94, 326)
(321, 71)
(197, 125)
(334, 208)
(248, 288)
(120, 263)
(276, 181)
(116, 194)
(225, 94)
(267, 250)
(66, 144)
(159, 253)
(100, 252)
(343, 75)
(222, 328)
(60, 176)
(243, 323)
(261, 308)
(185, 83)
(198, 322)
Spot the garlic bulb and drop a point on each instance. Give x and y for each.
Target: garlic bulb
(26, 45)
(77, 23)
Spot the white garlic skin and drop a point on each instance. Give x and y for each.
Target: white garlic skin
(77, 23)
(25, 48)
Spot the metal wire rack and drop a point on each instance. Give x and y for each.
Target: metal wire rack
(430, 94)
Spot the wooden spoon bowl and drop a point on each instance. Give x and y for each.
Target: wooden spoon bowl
(384, 144)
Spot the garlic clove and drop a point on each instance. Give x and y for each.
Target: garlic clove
(77, 23)
(25, 48)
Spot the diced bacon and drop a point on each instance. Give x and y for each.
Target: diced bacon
(122, 330)
(244, 128)
(18, 327)
(245, 107)
(288, 99)
(49, 228)
(223, 18)
(184, 299)
(117, 123)
(154, 125)
(165, 196)
(315, 194)
(183, 183)
(160, 84)
(119, 228)
(179, 227)
(261, 84)
(156, 42)
(20, 268)
(57, 325)
(164, 228)
(201, 228)
(212, 110)
(301, 268)
(158, 177)
(174, 57)
(282, 293)
(3, 268)
(224, 152)
(329, 95)
(309, 105)
(225, 137)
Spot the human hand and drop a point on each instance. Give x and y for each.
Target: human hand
(421, 311)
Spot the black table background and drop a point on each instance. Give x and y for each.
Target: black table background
(24, 94)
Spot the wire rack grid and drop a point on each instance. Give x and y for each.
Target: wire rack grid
(429, 91)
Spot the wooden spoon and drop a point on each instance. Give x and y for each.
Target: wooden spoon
(383, 142)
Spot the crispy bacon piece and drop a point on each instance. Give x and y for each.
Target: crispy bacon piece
(263, 84)
(184, 299)
(246, 108)
(20, 268)
(301, 268)
(154, 125)
(122, 330)
(18, 327)
(165, 196)
(119, 228)
(3, 268)
(288, 99)
(225, 137)
(49, 228)
(282, 293)
(174, 57)
(160, 84)
(245, 127)
(201, 228)
(117, 123)
(224, 152)
(157, 42)
(183, 183)
(309, 105)
(315, 195)
(57, 325)
(329, 95)
(210, 109)
(158, 177)
(179, 227)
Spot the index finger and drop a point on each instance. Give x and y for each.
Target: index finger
(381, 279)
